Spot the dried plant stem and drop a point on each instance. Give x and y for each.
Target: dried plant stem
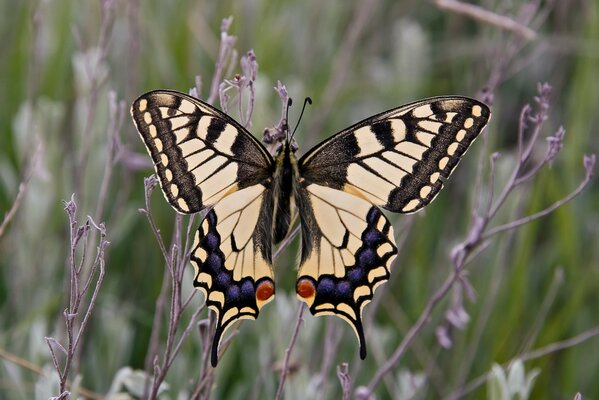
(28, 365)
(22, 190)
(485, 16)
(79, 288)
(285, 368)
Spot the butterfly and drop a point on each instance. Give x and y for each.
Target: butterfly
(205, 160)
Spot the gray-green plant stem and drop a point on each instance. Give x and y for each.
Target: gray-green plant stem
(78, 290)
(285, 367)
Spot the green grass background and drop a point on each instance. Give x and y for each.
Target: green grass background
(405, 51)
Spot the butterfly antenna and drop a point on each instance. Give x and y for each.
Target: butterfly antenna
(289, 104)
(307, 100)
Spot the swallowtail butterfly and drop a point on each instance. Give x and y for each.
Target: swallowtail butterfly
(204, 159)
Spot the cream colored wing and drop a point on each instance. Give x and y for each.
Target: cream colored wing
(347, 251)
(398, 159)
(232, 258)
(200, 154)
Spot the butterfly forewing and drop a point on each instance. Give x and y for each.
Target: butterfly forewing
(398, 159)
(347, 251)
(200, 154)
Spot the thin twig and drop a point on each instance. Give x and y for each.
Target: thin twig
(483, 15)
(285, 368)
(22, 189)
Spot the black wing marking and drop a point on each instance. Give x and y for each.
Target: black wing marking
(200, 154)
(398, 159)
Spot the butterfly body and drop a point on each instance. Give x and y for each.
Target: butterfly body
(397, 160)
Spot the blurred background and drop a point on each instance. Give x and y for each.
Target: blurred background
(70, 70)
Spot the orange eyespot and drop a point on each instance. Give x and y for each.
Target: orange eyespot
(265, 290)
(305, 288)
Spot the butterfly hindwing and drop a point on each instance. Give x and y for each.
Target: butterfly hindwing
(347, 251)
(200, 154)
(398, 159)
(233, 260)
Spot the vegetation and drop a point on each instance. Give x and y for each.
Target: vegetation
(494, 293)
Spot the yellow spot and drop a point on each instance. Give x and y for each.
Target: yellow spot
(452, 148)
(205, 278)
(384, 249)
(147, 117)
(380, 224)
(468, 123)
(168, 174)
(230, 314)
(218, 297)
(143, 104)
(174, 190)
(153, 131)
(425, 191)
(443, 163)
(460, 135)
(347, 309)
(164, 159)
(183, 205)
(399, 130)
(411, 206)
(187, 107)
(477, 111)
(376, 273)
(434, 177)
(361, 291)
(390, 261)
(422, 111)
(158, 144)
(324, 306)
(205, 226)
(246, 310)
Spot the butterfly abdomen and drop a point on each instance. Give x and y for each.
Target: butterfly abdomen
(284, 178)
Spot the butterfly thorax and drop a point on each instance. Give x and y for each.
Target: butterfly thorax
(285, 176)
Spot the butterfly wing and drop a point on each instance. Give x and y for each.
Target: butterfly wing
(347, 251)
(200, 154)
(233, 260)
(203, 157)
(398, 159)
